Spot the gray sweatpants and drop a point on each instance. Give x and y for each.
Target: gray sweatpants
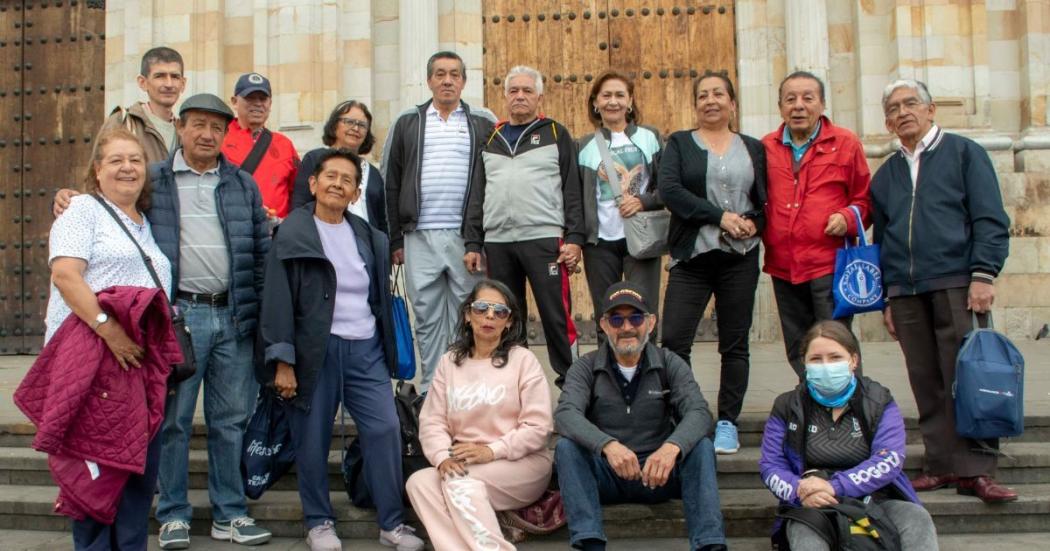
(912, 521)
(437, 283)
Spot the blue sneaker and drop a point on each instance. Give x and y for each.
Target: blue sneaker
(726, 441)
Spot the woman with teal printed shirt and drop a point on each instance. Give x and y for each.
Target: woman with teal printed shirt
(635, 150)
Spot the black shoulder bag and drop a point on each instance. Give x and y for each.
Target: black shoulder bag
(185, 370)
(251, 162)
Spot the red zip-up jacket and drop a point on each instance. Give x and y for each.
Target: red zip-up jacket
(86, 408)
(276, 172)
(833, 174)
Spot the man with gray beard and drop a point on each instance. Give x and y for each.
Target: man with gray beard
(634, 429)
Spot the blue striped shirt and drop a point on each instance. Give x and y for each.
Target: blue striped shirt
(446, 165)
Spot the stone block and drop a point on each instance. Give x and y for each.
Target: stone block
(1023, 290)
(1018, 323)
(1024, 255)
(386, 33)
(1014, 187)
(1033, 160)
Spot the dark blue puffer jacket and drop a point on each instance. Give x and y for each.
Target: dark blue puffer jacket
(244, 225)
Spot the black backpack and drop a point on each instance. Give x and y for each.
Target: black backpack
(850, 525)
(409, 404)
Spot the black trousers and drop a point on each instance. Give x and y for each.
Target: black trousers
(732, 279)
(607, 262)
(931, 327)
(536, 261)
(800, 307)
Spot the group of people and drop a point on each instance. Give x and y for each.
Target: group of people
(281, 269)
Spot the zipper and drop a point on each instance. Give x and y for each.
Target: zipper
(911, 219)
(470, 168)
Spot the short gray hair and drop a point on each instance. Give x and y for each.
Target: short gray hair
(917, 85)
(537, 77)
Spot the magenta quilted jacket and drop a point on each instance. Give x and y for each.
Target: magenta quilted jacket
(86, 408)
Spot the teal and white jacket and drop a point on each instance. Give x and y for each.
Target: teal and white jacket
(648, 141)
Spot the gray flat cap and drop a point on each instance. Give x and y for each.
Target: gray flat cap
(207, 102)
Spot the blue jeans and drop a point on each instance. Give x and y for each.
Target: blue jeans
(587, 481)
(224, 364)
(359, 366)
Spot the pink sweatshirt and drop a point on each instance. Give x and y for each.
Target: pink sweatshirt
(506, 408)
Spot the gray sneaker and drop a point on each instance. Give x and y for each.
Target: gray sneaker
(240, 530)
(403, 538)
(174, 535)
(323, 538)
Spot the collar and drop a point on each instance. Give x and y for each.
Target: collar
(146, 108)
(178, 164)
(432, 109)
(927, 142)
(785, 137)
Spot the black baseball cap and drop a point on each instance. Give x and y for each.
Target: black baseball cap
(625, 293)
(251, 82)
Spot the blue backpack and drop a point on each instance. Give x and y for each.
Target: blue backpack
(989, 385)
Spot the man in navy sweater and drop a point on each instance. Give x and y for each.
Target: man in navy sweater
(939, 218)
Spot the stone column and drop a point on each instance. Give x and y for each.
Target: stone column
(418, 20)
(806, 30)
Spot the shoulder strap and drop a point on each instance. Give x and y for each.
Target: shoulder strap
(251, 162)
(816, 519)
(610, 168)
(145, 258)
(856, 403)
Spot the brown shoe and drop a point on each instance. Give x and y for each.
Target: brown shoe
(987, 489)
(926, 482)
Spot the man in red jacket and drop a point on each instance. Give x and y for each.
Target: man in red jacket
(268, 156)
(815, 172)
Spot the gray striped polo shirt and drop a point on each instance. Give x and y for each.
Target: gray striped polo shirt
(204, 261)
(446, 165)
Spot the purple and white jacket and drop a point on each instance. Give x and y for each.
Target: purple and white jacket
(781, 461)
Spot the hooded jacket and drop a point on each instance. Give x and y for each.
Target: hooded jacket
(135, 120)
(87, 408)
(527, 190)
(781, 462)
(299, 299)
(402, 166)
(832, 175)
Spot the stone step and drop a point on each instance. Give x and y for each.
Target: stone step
(1037, 429)
(747, 513)
(28, 540)
(1027, 463)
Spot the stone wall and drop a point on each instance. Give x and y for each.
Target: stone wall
(987, 63)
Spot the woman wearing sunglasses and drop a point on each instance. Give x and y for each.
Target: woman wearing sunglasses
(348, 127)
(484, 427)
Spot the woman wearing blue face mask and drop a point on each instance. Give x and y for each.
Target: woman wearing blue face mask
(839, 434)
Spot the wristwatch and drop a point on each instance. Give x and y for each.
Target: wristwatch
(101, 318)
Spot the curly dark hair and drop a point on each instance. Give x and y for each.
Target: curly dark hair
(513, 335)
(328, 134)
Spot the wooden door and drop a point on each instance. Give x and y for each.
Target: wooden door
(51, 105)
(663, 45)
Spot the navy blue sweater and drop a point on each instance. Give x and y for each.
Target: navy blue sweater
(952, 226)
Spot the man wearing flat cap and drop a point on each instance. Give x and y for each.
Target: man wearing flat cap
(270, 157)
(634, 429)
(207, 217)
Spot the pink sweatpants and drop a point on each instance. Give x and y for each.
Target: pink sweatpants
(460, 512)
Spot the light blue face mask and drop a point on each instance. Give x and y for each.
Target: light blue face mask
(830, 384)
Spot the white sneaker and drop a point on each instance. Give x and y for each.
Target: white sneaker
(174, 534)
(240, 530)
(323, 538)
(403, 538)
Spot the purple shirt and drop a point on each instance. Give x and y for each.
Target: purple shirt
(352, 318)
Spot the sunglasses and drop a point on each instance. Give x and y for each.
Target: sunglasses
(480, 307)
(616, 320)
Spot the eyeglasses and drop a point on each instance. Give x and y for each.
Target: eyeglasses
(480, 307)
(354, 123)
(616, 320)
(910, 104)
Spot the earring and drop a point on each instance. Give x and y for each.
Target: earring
(596, 110)
(630, 109)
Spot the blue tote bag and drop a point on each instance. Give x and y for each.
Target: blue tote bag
(406, 350)
(857, 286)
